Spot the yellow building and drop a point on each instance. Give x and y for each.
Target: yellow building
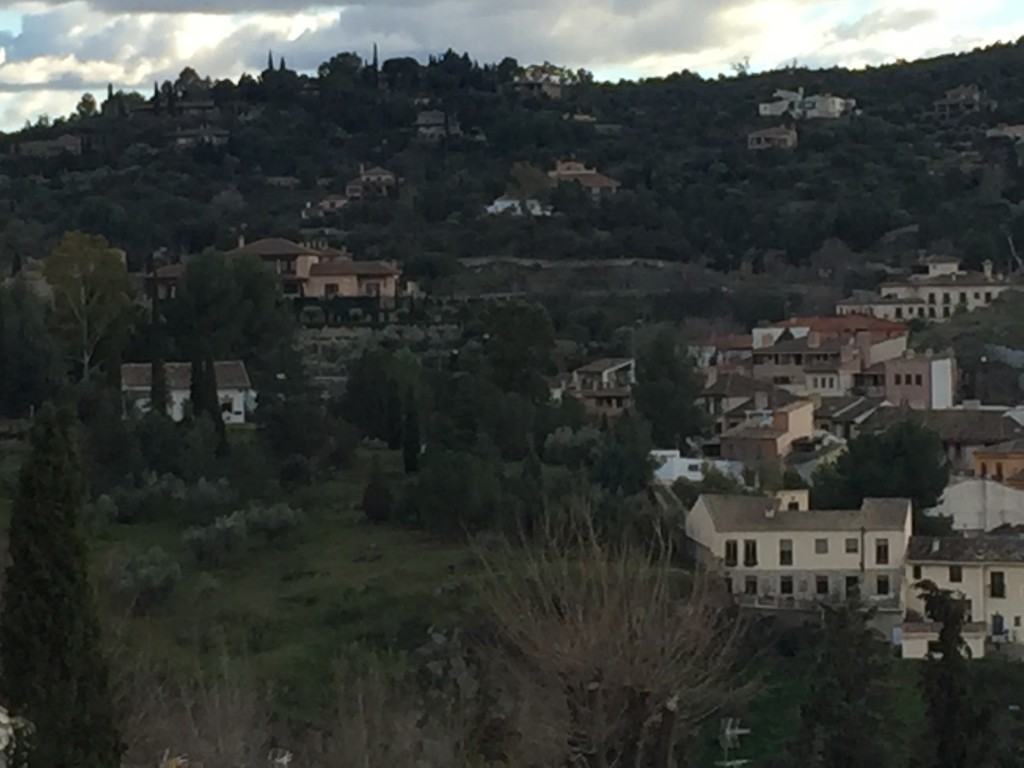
(1003, 462)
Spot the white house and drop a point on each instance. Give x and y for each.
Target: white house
(978, 505)
(234, 390)
(671, 465)
(513, 206)
(986, 571)
(785, 556)
(819, 106)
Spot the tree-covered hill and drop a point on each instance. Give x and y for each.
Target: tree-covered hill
(691, 191)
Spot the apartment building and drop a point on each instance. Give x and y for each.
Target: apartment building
(922, 381)
(937, 290)
(604, 387)
(732, 397)
(986, 571)
(767, 437)
(786, 556)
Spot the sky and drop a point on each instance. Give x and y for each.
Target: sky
(53, 51)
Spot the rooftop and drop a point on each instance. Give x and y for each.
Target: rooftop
(740, 385)
(231, 374)
(988, 548)
(1010, 446)
(847, 409)
(955, 425)
(273, 246)
(842, 324)
(605, 364)
(344, 267)
(734, 513)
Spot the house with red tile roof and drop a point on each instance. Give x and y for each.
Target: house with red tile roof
(596, 184)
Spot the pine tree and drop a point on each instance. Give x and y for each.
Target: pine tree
(53, 672)
(849, 720)
(960, 733)
(281, 66)
(393, 407)
(411, 442)
(270, 61)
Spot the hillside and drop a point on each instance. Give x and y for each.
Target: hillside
(690, 190)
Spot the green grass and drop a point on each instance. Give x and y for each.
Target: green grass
(291, 610)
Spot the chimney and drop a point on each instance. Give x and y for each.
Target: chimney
(769, 510)
(986, 267)
(935, 546)
(813, 339)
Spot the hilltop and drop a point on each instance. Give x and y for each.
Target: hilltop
(199, 162)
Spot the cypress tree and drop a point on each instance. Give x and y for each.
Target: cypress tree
(411, 443)
(393, 416)
(51, 668)
(158, 395)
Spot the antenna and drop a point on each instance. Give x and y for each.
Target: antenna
(729, 738)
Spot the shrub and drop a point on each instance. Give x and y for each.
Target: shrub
(100, 513)
(296, 472)
(272, 523)
(149, 578)
(212, 544)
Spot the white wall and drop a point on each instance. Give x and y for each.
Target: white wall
(235, 403)
(942, 383)
(672, 466)
(979, 504)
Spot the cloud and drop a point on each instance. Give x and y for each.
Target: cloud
(881, 20)
(61, 48)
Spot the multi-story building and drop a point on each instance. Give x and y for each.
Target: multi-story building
(777, 556)
(937, 291)
(731, 397)
(986, 572)
(914, 380)
(963, 100)
(604, 387)
(767, 436)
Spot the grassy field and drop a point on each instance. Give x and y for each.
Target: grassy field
(290, 611)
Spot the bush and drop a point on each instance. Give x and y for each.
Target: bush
(100, 513)
(272, 523)
(168, 498)
(149, 578)
(296, 472)
(212, 544)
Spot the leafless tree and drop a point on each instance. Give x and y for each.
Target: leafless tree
(639, 652)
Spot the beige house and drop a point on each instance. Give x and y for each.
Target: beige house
(604, 387)
(987, 571)
(596, 184)
(772, 138)
(776, 556)
(767, 437)
(914, 380)
(937, 291)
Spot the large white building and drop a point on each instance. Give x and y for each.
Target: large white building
(980, 504)
(794, 103)
(234, 390)
(777, 555)
(986, 571)
(937, 292)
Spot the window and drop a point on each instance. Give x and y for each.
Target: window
(882, 585)
(945, 298)
(821, 585)
(793, 506)
(899, 311)
(882, 552)
(821, 546)
(931, 298)
(786, 585)
(999, 471)
(945, 312)
(897, 379)
(977, 295)
(852, 586)
(963, 297)
(852, 546)
(998, 584)
(956, 574)
(917, 573)
(728, 585)
(988, 296)
(931, 311)
(786, 552)
(918, 380)
(331, 289)
(749, 553)
(1016, 621)
(731, 556)
(750, 586)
